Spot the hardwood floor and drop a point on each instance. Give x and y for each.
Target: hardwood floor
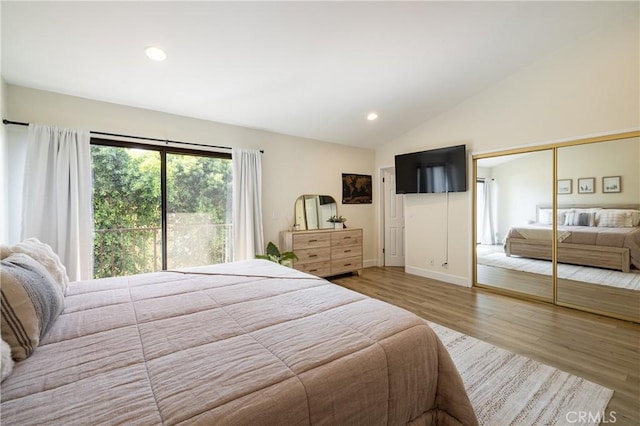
(600, 349)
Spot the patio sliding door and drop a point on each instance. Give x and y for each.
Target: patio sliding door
(157, 208)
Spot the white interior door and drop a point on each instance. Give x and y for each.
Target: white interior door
(393, 221)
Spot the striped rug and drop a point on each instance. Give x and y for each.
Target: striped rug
(510, 389)
(630, 280)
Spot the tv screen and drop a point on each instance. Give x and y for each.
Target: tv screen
(433, 171)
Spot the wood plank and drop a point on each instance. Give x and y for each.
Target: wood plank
(600, 349)
(537, 285)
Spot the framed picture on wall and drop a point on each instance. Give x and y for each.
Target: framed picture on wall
(356, 189)
(612, 184)
(565, 186)
(586, 185)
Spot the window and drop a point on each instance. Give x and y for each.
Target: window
(158, 208)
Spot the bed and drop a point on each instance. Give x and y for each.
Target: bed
(249, 342)
(590, 236)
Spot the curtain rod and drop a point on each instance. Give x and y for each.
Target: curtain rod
(18, 123)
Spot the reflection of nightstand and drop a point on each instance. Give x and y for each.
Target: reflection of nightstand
(325, 252)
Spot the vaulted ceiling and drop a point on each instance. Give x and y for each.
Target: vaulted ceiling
(310, 69)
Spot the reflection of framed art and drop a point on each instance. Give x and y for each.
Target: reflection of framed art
(356, 189)
(564, 186)
(612, 184)
(586, 185)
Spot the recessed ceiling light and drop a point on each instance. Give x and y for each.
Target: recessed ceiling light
(156, 54)
(372, 116)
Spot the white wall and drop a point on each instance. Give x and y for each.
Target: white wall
(590, 87)
(4, 164)
(615, 158)
(291, 165)
(526, 181)
(522, 184)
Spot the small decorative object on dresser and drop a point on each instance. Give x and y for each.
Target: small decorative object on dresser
(338, 221)
(325, 252)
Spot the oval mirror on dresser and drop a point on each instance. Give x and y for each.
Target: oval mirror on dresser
(312, 212)
(321, 249)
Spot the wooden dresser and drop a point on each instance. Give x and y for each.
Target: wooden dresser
(325, 252)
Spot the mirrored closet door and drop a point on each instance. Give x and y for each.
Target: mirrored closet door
(509, 189)
(561, 223)
(599, 240)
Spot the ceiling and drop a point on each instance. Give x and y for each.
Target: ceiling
(309, 69)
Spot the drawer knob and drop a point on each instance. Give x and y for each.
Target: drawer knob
(313, 241)
(347, 251)
(347, 264)
(313, 255)
(313, 270)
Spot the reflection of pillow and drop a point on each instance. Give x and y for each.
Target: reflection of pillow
(6, 362)
(43, 254)
(545, 216)
(31, 301)
(609, 218)
(576, 218)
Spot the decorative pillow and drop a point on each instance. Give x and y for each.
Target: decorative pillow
(610, 218)
(6, 362)
(5, 251)
(577, 218)
(43, 254)
(31, 301)
(545, 216)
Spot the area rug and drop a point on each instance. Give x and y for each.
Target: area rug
(510, 389)
(630, 280)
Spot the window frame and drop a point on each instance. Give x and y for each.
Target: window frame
(163, 150)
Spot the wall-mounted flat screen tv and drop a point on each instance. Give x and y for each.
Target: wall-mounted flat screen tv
(432, 171)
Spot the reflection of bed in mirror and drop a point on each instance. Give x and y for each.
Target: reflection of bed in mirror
(604, 237)
(598, 258)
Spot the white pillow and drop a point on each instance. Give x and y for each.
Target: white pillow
(6, 362)
(545, 216)
(44, 255)
(611, 218)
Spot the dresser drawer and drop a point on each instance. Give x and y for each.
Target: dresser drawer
(346, 238)
(342, 252)
(320, 269)
(349, 264)
(311, 240)
(319, 254)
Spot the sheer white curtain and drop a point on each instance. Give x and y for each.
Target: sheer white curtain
(488, 226)
(57, 195)
(248, 239)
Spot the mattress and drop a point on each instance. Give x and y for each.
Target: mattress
(242, 343)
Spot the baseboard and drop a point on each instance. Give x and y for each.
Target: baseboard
(370, 263)
(448, 278)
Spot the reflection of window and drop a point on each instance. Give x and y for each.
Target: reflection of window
(311, 209)
(480, 184)
(156, 208)
(437, 178)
